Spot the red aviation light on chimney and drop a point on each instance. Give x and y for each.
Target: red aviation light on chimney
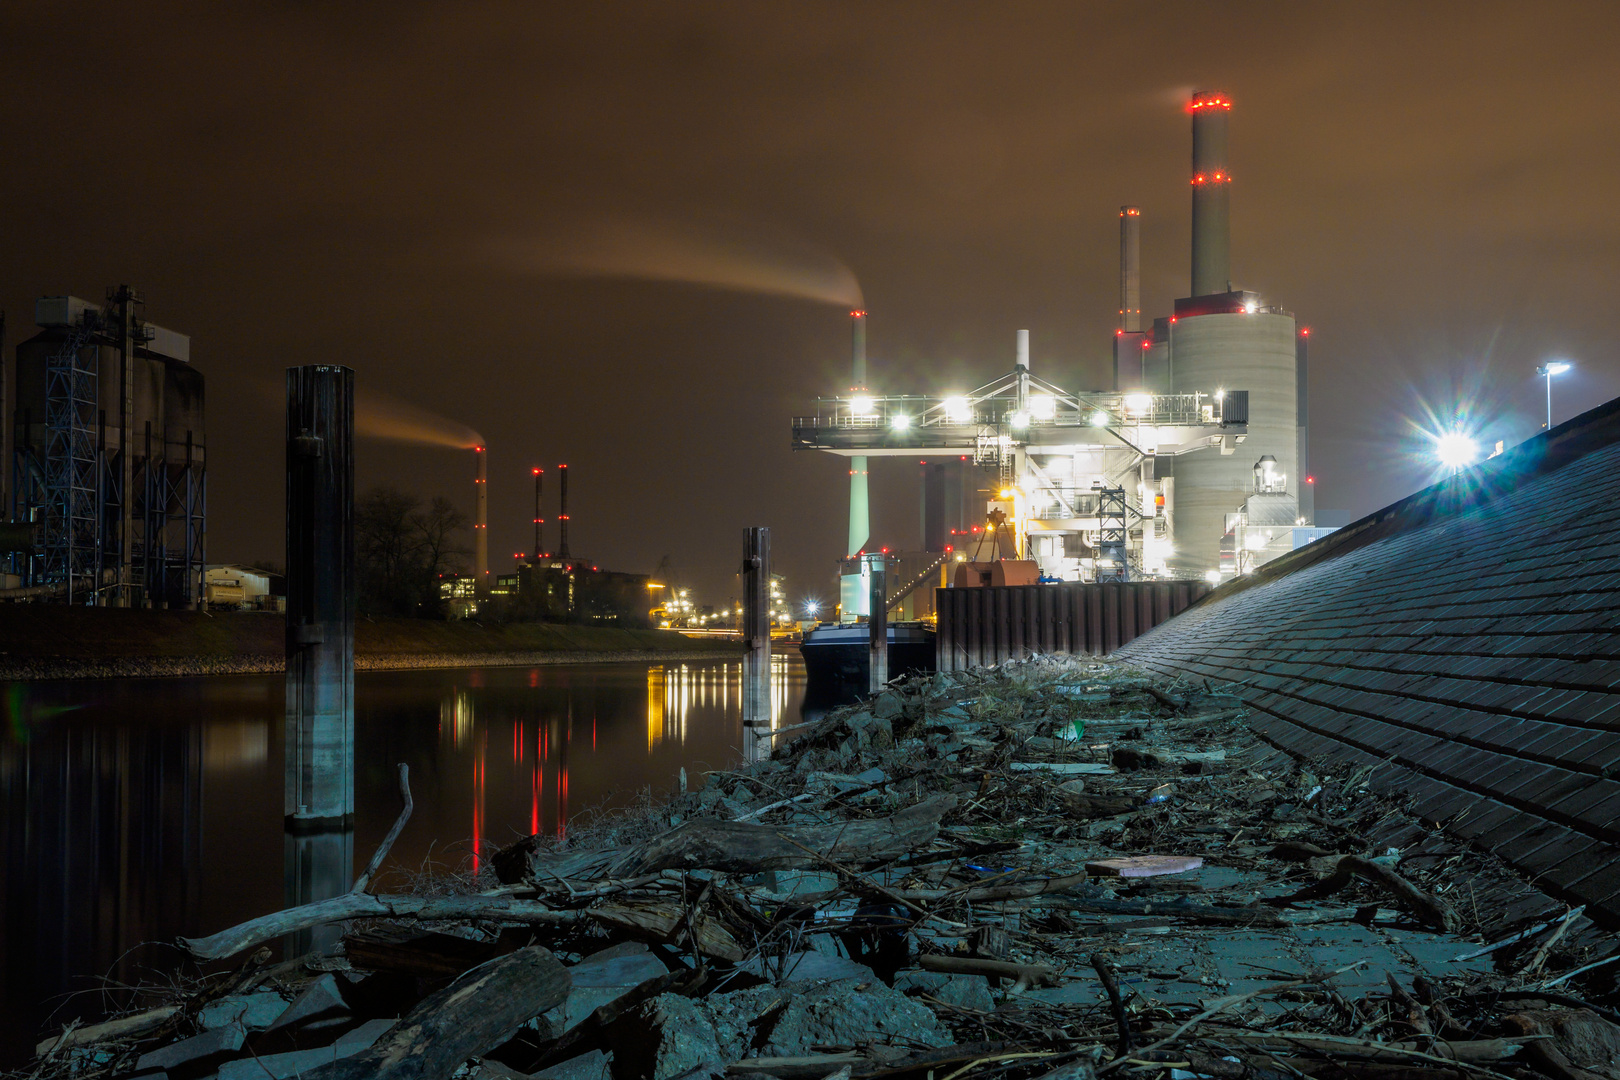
(857, 314)
(1210, 101)
(1304, 331)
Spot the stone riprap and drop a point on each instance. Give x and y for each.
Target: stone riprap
(1461, 646)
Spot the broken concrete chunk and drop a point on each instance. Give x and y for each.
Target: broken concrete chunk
(850, 1012)
(195, 1056)
(603, 977)
(316, 1017)
(1140, 866)
(589, 1066)
(666, 1037)
(297, 1062)
(251, 1012)
(807, 967)
(963, 991)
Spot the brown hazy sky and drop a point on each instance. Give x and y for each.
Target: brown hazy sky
(399, 187)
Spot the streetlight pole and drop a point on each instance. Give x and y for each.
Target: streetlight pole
(1547, 371)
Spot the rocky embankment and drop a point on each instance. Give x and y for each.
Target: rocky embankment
(1046, 871)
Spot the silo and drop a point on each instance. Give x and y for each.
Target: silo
(1236, 351)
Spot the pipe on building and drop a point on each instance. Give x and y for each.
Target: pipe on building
(539, 522)
(562, 511)
(1130, 269)
(481, 523)
(1211, 194)
(860, 520)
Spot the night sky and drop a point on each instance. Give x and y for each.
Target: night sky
(439, 194)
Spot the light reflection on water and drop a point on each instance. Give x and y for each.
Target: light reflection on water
(140, 810)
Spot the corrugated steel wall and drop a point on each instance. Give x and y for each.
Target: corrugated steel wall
(987, 625)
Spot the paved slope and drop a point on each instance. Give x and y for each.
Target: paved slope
(1465, 642)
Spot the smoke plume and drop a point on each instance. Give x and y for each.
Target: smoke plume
(379, 416)
(749, 258)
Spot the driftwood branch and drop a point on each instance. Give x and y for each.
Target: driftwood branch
(1026, 975)
(1429, 909)
(364, 905)
(736, 847)
(393, 834)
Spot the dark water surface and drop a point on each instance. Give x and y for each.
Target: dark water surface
(136, 811)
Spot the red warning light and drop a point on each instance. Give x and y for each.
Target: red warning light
(1147, 344)
(950, 547)
(1310, 479)
(1119, 333)
(535, 472)
(1209, 101)
(857, 314)
(1304, 331)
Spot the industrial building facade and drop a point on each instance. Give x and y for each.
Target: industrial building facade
(1192, 466)
(106, 451)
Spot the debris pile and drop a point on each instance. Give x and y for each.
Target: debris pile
(1048, 869)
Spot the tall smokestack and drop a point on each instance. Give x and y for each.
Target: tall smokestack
(481, 523)
(562, 511)
(860, 522)
(1130, 269)
(1212, 190)
(539, 475)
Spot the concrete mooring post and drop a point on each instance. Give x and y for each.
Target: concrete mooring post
(756, 625)
(319, 789)
(877, 622)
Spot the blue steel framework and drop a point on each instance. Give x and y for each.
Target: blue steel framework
(72, 484)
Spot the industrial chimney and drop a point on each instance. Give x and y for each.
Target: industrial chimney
(1130, 269)
(1211, 194)
(481, 524)
(860, 522)
(539, 475)
(562, 511)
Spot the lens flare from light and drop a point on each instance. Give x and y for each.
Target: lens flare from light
(1456, 450)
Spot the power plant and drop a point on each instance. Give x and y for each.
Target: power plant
(107, 480)
(1191, 466)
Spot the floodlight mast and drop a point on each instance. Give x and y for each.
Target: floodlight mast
(1547, 371)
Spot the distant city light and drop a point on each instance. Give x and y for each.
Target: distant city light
(861, 406)
(958, 409)
(899, 421)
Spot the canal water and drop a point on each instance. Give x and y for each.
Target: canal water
(136, 811)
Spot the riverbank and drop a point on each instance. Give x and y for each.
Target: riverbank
(47, 642)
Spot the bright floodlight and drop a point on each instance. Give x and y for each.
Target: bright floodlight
(1456, 450)
(899, 421)
(861, 406)
(1557, 367)
(1099, 419)
(958, 410)
(1042, 406)
(811, 607)
(1138, 403)
(1020, 419)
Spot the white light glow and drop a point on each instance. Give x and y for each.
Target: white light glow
(1557, 367)
(861, 406)
(958, 410)
(1020, 419)
(1456, 450)
(1137, 404)
(1043, 406)
(899, 421)
(1099, 419)
(1213, 577)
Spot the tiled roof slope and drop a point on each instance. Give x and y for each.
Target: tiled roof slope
(1464, 641)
